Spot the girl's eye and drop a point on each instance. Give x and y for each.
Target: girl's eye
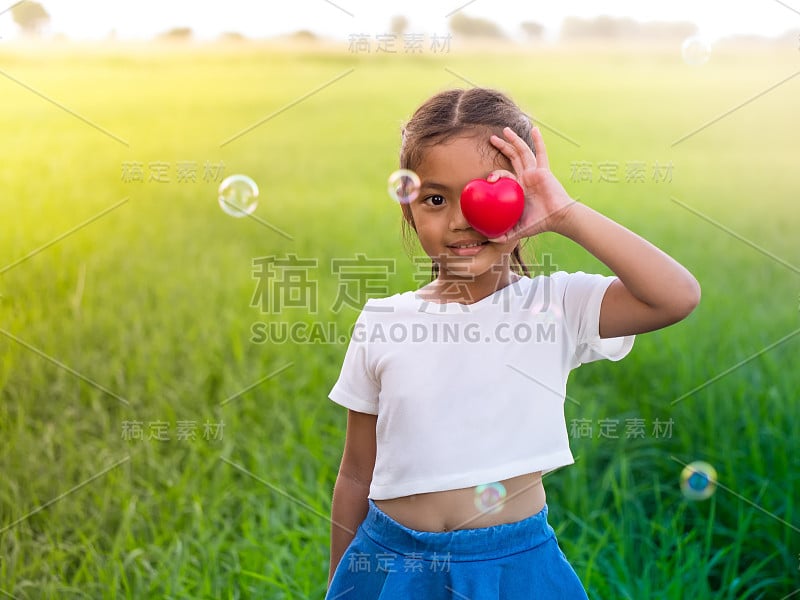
(435, 200)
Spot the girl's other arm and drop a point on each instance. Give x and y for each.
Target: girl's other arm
(653, 289)
(349, 505)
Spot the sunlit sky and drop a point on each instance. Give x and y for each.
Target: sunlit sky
(141, 19)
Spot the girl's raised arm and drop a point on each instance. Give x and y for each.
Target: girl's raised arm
(653, 290)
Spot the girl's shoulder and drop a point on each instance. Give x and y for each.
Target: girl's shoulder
(389, 303)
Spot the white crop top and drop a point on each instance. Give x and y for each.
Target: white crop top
(472, 394)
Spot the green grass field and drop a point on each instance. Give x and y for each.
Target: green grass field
(144, 315)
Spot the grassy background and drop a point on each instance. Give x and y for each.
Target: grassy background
(152, 302)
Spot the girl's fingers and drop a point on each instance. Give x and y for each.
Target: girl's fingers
(502, 145)
(524, 151)
(541, 151)
(503, 239)
(511, 152)
(499, 240)
(515, 140)
(495, 175)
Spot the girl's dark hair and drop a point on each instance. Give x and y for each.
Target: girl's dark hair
(454, 113)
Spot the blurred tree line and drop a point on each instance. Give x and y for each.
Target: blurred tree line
(575, 28)
(608, 28)
(30, 16)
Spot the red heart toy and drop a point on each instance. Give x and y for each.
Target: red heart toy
(492, 208)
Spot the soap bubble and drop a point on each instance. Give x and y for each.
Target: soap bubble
(698, 480)
(695, 51)
(404, 186)
(238, 195)
(489, 497)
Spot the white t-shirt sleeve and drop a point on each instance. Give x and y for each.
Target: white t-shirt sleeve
(582, 296)
(357, 387)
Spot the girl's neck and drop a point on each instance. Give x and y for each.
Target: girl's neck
(468, 290)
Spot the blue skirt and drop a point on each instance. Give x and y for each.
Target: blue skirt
(512, 561)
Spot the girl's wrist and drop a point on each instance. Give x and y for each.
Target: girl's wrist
(565, 219)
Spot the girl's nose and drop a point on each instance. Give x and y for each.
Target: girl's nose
(457, 220)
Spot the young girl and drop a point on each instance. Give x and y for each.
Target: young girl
(456, 391)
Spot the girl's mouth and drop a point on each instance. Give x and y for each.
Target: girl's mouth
(467, 248)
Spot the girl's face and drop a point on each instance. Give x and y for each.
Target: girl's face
(441, 227)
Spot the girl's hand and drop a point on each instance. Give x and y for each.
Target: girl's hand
(546, 200)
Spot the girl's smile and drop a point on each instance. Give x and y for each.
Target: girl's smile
(466, 247)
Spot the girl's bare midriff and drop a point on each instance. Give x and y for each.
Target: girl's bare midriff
(456, 509)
